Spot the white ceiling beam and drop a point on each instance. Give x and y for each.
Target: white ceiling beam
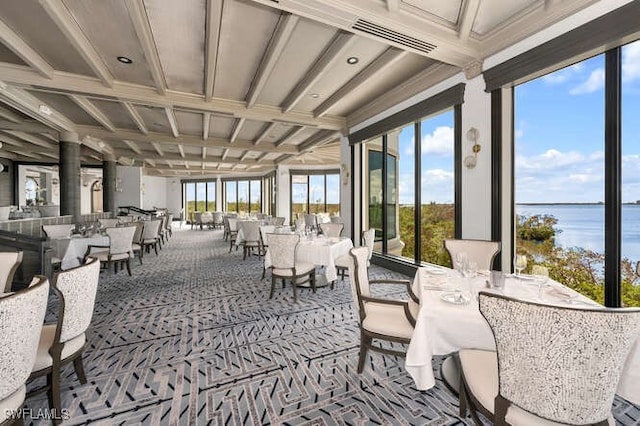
(140, 21)
(186, 165)
(204, 152)
(66, 83)
(393, 5)
(244, 156)
(319, 138)
(236, 129)
(224, 154)
(181, 150)
(23, 101)
(151, 162)
(290, 135)
(206, 124)
(26, 154)
(277, 44)
(171, 116)
(65, 21)
(156, 146)
(267, 129)
(468, 17)
(28, 125)
(213, 25)
(9, 140)
(93, 111)
(186, 140)
(21, 48)
(136, 117)
(33, 139)
(7, 114)
(337, 45)
(387, 58)
(48, 135)
(344, 14)
(169, 163)
(48, 154)
(8, 155)
(133, 146)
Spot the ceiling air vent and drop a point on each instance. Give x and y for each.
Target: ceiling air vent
(393, 36)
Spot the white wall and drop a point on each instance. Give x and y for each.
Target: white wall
(346, 207)
(283, 193)
(129, 179)
(174, 196)
(85, 197)
(154, 192)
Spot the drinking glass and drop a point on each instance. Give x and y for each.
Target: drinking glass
(460, 262)
(541, 275)
(520, 263)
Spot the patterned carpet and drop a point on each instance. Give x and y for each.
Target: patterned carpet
(192, 339)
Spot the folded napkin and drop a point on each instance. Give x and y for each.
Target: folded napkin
(560, 293)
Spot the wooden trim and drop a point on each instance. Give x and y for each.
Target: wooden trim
(417, 183)
(496, 171)
(457, 169)
(617, 27)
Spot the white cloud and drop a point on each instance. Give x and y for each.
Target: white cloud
(594, 83)
(585, 178)
(563, 75)
(550, 159)
(439, 142)
(631, 62)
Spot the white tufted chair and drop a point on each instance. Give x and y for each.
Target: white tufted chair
(282, 249)
(380, 319)
(311, 222)
(150, 235)
(21, 317)
(9, 262)
(252, 239)
(109, 223)
(233, 232)
(332, 230)
(217, 219)
(479, 251)
(58, 231)
(64, 341)
(553, 364)
(136, 243)
(118, 251)
(343, 262)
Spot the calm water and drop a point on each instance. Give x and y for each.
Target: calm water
(583, 226)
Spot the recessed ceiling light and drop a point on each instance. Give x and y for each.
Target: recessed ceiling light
(352, 60)
(125, 60)
(314, 95)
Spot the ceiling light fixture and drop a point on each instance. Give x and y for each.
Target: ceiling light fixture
(352, 60)
(125, 60)
(44, 109)
(314, 95)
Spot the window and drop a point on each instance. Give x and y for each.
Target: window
(243, 196)
(199, 196)
(315, 192)
(231, 196)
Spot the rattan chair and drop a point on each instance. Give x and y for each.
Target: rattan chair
(389, 320)
(553, 363)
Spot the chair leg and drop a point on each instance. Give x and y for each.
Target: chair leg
(55, 401)
(79, 368)
(312, 278)
(128, 261)
(365, 341)
(155, 247)
(295, 289)
(273, 287)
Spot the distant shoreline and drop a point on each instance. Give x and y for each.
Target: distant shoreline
(572, 204)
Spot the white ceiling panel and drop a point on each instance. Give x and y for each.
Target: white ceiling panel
(446, 10)
(67, 107)
(493, 13)
(116, 114)
(189, 123)
(220, 127)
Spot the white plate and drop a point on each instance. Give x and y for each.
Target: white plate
(455, 298)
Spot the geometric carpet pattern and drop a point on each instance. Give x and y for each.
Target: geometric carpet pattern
(193, 339)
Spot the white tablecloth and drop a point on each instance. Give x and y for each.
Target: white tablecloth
(320, 251)
(72, 250)
(443, 328)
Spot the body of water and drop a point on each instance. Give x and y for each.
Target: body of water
(583, 226)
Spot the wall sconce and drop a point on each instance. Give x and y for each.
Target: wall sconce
(118, 186)
(471, 160)
(345, 174)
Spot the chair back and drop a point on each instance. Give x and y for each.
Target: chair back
(332, 230)
(368, 238)
(264, 231)
(125, 219)
(120, 239)
(9, 262)
(336, 219)
(137, 235)
(217, 218)
(169, 221)
(360, 277)
(233, 224)
(481, 252)
(58, 231)
(109, 223)
(311, 221)
(197, 218)
(77, 289)
(279, 221)
(250, 230)
(282, 249)
(22, 315)
(150, 230)
(560, 363)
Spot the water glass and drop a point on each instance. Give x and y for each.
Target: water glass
(520, 263)
(541, 275)
(497, 280)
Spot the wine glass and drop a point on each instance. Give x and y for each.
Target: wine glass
(541, 275)
(460, 262)
(520, 263)
(470, 271)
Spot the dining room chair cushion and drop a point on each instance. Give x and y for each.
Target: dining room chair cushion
(47, 335)
(388, 320)
(301, 269)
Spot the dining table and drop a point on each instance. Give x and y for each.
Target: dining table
(449, 320)
(320, 251)
(71, 250)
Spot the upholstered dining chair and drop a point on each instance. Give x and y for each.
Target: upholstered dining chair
(9, 262)
(332, 230)
(197, 220)
(252, 240)
(150, 235)
(58, 231)
(65, 340)
(168, 226)
(22, 315)
(118, 251)
(381, 319)
(481, 252)
(282, 249)
(217, 219)
(233, 232)
(343, 262)
(311, 222)
(552, 363)
(136, 242)
(109, 223)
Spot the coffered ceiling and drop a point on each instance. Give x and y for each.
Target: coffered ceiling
(232, 86)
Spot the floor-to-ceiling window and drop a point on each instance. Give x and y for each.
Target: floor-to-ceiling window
(211, 196)
(231, 196)
(563, 187)
(412, 165)
(243, 196)
(315, 192)
(199, 196)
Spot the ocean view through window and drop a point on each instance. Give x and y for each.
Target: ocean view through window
(563, 178)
